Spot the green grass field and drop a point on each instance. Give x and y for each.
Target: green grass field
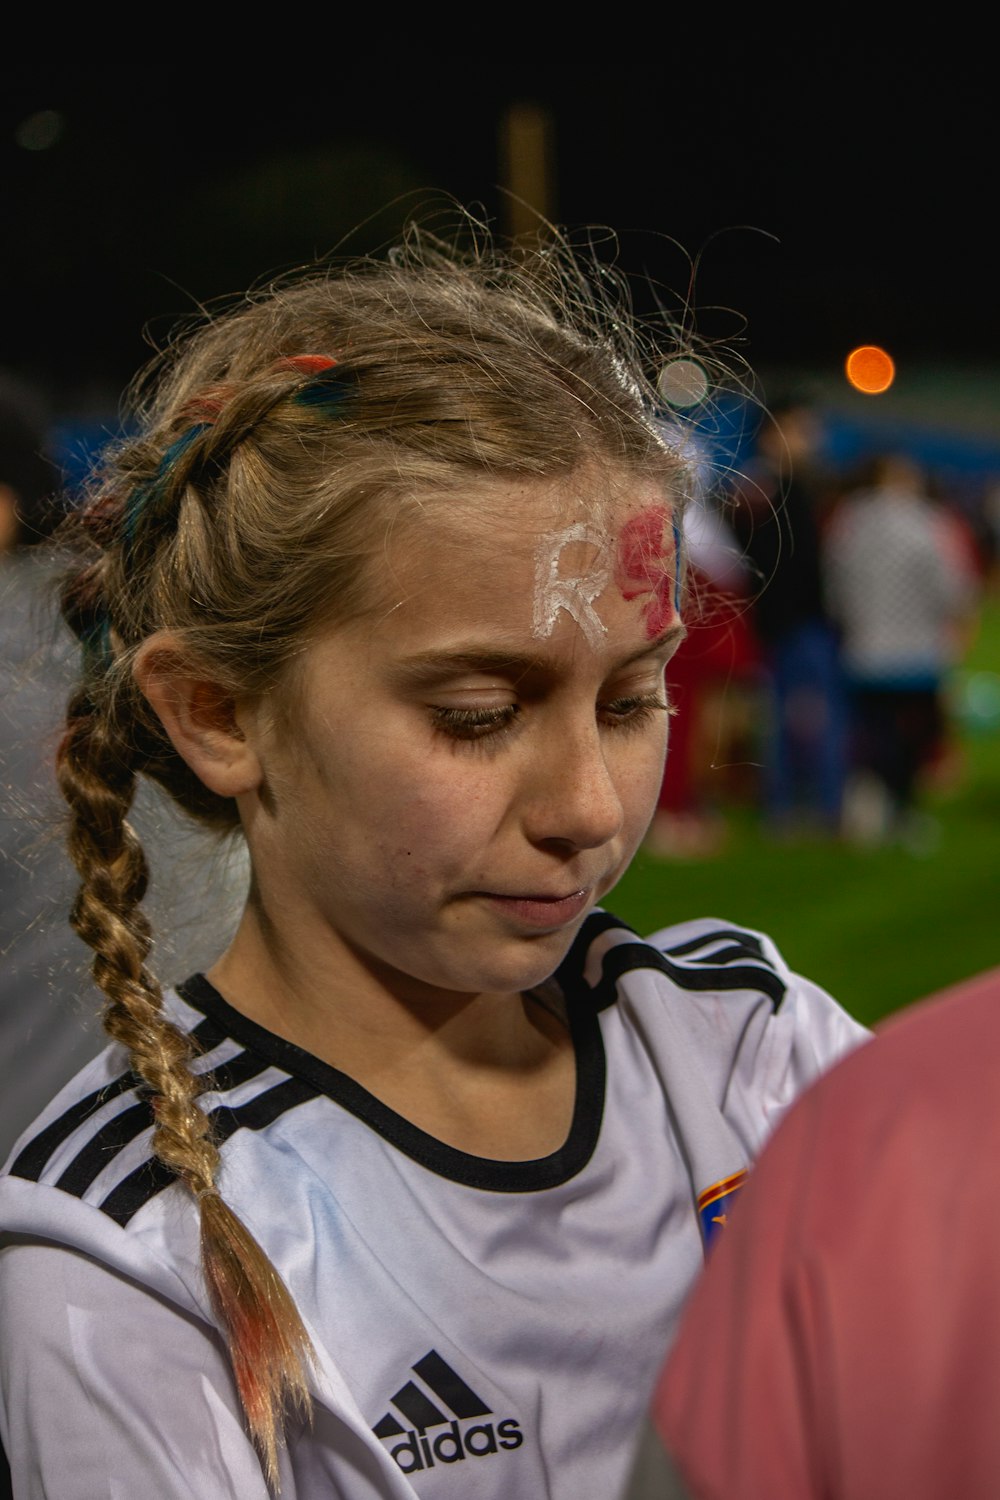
(879, 927)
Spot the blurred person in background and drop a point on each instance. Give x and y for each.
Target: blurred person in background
(776, 513)
(903, 592)
(44, 1039)
(711, 685)
(990, 535)
(42, 1044)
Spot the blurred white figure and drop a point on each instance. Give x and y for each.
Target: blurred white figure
(900, 590)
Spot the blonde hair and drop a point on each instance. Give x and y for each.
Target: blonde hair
(273, 449)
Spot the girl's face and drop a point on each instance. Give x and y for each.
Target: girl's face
(455, 779)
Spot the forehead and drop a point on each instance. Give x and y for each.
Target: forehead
(496, 535)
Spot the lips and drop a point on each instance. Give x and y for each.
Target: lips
(540, 911)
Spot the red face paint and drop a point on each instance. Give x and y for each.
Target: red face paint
(644, 566)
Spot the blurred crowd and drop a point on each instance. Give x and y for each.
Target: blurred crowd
(829, 614)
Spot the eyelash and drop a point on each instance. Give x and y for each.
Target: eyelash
(492, 723)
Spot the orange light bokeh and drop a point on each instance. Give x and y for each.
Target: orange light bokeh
(870, 369)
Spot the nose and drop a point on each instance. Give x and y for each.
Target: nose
(573, 800)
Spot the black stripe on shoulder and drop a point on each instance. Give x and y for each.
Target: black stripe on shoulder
(625, 958)
(570, 971)
(32, 1160)
(747, 943)
(106, 1144)
(118, 1132)
(136, 1190)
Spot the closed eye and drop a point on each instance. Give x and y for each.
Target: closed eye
(628, 712)
(474, 723)
(632, 712)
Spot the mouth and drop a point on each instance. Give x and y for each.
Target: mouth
(539, 910)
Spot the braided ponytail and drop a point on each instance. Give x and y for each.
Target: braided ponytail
(96, 768)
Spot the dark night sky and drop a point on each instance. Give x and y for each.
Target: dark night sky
(838, 191)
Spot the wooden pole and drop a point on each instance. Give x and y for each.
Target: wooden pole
(526, 151)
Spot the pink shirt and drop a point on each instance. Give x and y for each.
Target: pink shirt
(844, 1341)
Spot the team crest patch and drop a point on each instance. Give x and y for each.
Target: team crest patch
(439, 1419)
(714, 1204)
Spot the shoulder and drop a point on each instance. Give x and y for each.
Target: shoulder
(714, 954)
(713, 1000)
(85, 1171)
(702, 957)
(908, 1120)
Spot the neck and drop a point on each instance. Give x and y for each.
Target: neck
(488, 1073)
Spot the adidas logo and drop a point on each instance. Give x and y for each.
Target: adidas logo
(451, 1405)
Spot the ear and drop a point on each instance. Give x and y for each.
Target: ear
(199, 716)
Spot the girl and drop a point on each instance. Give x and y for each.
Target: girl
(401, 1197)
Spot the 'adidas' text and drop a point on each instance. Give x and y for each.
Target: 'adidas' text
(430, 1436)
(422, 1451)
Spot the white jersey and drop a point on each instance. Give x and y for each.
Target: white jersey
(483, 1329)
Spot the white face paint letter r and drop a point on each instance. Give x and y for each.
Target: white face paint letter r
(575, 595)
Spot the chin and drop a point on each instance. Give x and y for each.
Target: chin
(526, 963)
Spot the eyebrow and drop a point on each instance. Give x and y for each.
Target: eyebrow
(429, 666)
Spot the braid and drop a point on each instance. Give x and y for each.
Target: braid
(220, 420)
(99, 784)
(268, 1344)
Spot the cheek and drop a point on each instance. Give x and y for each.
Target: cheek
(428, 816)
(653, 780)
(647, 774)
(639, 790)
